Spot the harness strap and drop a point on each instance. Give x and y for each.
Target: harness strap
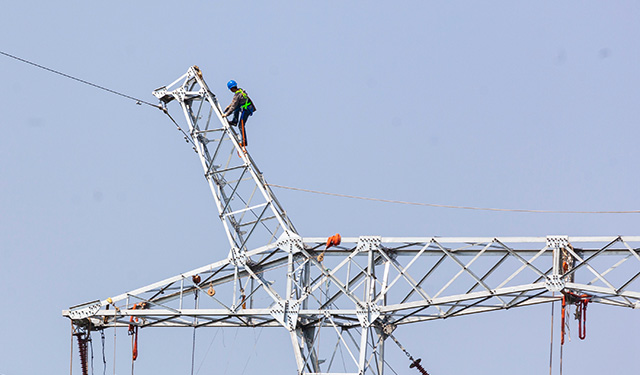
(247, 102)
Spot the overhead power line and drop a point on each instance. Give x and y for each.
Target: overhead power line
(137, 100)
(452, 206)
(188, 138)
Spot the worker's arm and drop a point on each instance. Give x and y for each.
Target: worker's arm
(233, 105)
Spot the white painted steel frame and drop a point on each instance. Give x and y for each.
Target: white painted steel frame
(245, 202)
(365, 287)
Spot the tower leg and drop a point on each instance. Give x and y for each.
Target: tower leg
(309, 341)
(363, 350)
(380, 350)
(297, 349)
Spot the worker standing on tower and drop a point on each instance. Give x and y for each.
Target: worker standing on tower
(241, 107)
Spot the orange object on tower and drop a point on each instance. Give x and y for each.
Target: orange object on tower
(333, 240)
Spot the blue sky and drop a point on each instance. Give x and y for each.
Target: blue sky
(495, 104)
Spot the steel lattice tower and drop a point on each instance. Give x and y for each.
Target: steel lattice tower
(357, 293)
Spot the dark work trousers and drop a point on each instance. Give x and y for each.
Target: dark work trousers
(240, 117)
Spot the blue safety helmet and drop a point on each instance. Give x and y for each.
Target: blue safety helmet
(231, 84)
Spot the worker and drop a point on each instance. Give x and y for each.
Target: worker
(241, 107)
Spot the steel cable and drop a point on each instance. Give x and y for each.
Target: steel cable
(452, 206)
(137, 100)
(189, 139)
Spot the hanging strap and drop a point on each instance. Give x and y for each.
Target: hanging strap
(133, 332)
(581, 312)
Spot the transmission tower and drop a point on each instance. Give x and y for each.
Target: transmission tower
(347, 295)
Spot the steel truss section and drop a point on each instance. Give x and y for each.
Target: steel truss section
(246, 206)
(368, 286)
(340, 310)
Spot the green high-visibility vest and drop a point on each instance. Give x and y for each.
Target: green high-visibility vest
(247, 102)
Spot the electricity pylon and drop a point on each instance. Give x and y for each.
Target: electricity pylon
(347, 298)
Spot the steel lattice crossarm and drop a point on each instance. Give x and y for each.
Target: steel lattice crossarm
(403, 280)
(346, 297)
(374, 283)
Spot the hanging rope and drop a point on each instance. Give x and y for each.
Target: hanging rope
(564, 305)
(71, 351)
(91, 347)
(104, 358)
(196, 280)
(253, 351)
(134, 347)
(553, 305)
(193, 350)
(114, 345)
(561, 351)
(209, 348)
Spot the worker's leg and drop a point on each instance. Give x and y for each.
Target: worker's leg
(243, 132)
(234, 120)
(243, 123)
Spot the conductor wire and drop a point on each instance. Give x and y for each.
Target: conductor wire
(452, 206)
(189, 139)
(137, 100)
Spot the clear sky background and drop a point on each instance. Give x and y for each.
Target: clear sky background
(504, 104)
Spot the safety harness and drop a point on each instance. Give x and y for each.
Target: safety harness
(248, 105)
